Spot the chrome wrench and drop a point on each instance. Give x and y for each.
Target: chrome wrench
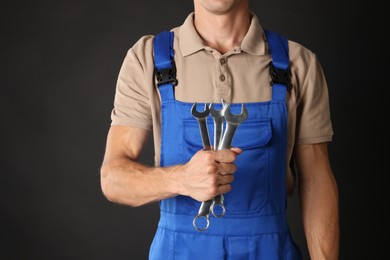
(204, 210)
(218, 118)
(232, 123)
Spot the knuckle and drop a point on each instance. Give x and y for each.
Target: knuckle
(213, 191)
(213, 180)
(208, 156)
(211, 169)
(230, 155)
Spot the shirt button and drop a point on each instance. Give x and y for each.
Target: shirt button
(222, 78)
(222, 61)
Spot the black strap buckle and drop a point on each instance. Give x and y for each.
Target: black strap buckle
(167, 75)
(281, 76)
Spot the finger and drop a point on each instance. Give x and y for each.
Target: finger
(225, 156)
(225, 179)
(236, 150)
(224, 188)
(226, 168)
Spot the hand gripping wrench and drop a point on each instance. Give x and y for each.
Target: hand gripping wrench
(232, 123)
(204, 210)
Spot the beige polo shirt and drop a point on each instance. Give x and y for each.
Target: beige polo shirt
(240, 75)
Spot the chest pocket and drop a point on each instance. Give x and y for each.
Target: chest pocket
(250, 187)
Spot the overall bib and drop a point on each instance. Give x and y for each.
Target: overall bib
(255, 223)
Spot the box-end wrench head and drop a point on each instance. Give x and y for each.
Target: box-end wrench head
(201, 221)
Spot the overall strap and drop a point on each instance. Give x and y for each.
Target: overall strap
(165, 69)
(280, 65)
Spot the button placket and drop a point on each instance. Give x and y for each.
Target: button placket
(224, 77)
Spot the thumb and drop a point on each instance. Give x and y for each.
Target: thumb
(236, 150)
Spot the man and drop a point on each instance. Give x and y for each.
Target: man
(222, 52)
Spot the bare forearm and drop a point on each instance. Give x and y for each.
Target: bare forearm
(206, 175)
(319, 201)
(128, 182)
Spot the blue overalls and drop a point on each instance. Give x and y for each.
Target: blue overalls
(255, 224)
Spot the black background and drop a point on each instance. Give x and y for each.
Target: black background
(59, 65)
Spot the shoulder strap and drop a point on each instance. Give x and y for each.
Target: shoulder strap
(165, 69)
(280, 65)
(279, 49)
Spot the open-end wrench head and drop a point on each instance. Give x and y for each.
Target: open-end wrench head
(215, 113)
(200, 114)
(236, 118)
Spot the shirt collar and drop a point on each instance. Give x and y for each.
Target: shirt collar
(254, 40)
(191, 42)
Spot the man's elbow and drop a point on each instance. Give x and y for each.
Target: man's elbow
(110, 192)
(105, 184)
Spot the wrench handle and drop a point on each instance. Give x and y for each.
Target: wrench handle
(227, 138)
(204, 133)
(218, 130)
(201, 221)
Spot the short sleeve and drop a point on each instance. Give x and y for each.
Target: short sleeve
(132, 97)
(313, 113)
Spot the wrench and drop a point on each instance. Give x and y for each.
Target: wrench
(204, 210)
(218, 116)
(232, 123)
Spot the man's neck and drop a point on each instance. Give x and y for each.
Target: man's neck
(222, 31)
